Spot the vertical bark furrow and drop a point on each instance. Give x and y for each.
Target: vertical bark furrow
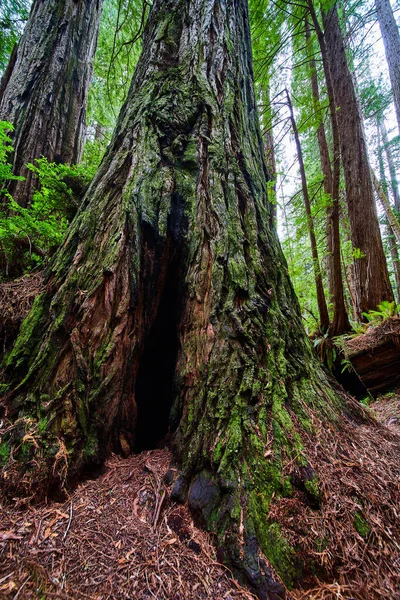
(391, 41)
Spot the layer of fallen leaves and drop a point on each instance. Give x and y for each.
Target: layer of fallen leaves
(117, 536)
(16, 299)
(359, 481)
(387, 410)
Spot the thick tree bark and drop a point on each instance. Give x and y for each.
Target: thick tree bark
(319, 286)
(341, 322)
(169, 308)
(44, 92)
(391, 41)
(372, 284)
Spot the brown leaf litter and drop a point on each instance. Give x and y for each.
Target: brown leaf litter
(389, 329)
(16, 299)
(353, 539)
(117, 536)
(120, 536)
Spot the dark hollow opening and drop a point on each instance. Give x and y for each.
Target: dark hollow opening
(154, 390)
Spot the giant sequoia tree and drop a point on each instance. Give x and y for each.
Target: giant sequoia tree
(44, 90)
(168, 308)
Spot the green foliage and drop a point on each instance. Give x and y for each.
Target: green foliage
(6, 148)
(5, 450)
(357, 254)
(93, 153)
(361, 525)
(359, 328)
(13, 16)
(28, 236)
(385, 310)
(118, 50)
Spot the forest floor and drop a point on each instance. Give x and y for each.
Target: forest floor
(119, 536)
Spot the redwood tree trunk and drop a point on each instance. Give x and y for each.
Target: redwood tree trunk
(324, 160)
(340, 322)
(44, 92)
(372, 284)
(270, 152)
(169, 307)
(391, 41)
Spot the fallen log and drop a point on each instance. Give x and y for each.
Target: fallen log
(375, 356)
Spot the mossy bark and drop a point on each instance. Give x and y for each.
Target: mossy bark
(180, 201)
(44, 90)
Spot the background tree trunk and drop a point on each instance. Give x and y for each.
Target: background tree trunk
(169, 307)
(324, 157)
(340, 322)
(394, 253)
(44, 93)
(372, 284)
(270, 152)
(319, 286)
(387, 209)
(392, 169)
(327, 174)
(391, 41)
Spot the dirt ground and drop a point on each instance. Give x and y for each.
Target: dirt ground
(119, 536)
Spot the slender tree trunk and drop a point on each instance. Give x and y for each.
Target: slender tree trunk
(341, 322)
(391, 41)
(169, 308)
(372, 284)
(44, 92)
(270, 152)
(394, 252)
(392, 169)
(319, 286)
(389, 214)
(324, 160)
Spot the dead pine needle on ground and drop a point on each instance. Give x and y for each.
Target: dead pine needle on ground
(120, 536)
(117, 536)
